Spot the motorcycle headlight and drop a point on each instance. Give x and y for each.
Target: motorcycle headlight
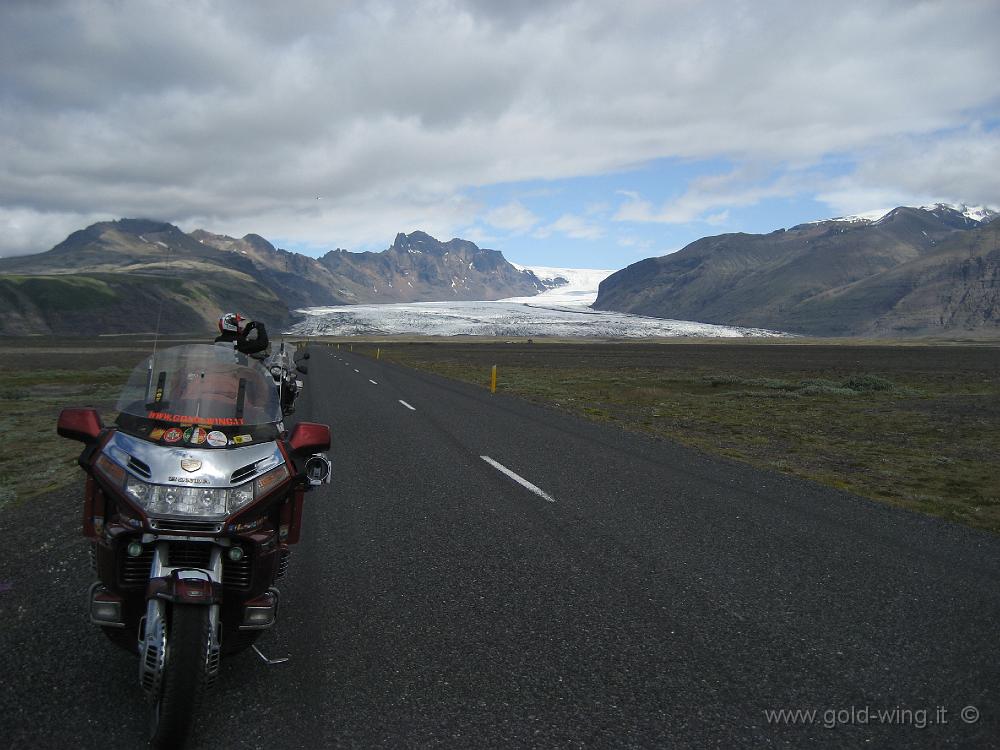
(207, 502)
(159, 499)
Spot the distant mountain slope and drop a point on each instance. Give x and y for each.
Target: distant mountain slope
(121, 276)
(954, 288)
(298, 280)
(911, 272)
(419, 268)
(415, 268)
(116, 277)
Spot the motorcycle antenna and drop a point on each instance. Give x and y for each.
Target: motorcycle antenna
(159, 312)
(156, 331)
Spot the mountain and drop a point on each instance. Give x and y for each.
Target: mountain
(298, 280)
(912, 271)
(419, 268)
(122, 276)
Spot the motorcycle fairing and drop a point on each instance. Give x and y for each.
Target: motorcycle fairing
(159, 464)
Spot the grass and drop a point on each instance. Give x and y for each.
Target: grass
(38, 378)
(68, 292)
(914, 426)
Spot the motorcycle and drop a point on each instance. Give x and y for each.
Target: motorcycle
(193, 498)
(289, 386)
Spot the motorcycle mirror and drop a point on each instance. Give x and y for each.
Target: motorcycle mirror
(79, 424)
(303, 369)
(309, 437)
(318, 469)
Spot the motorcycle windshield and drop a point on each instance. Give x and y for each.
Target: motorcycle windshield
(201, 384)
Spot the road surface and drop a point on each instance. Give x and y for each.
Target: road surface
(484, 572)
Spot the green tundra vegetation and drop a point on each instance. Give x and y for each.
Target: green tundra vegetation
(39, 376)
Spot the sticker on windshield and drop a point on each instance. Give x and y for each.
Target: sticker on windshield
(173, 435)
(240, 439)
(217, 439)
(157, 433)
(166, 417)
(195, 435)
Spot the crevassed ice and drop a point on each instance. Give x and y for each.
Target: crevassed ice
(560, 312)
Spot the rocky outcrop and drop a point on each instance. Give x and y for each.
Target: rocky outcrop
(419, 268)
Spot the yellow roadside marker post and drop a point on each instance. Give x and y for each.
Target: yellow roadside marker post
(493, 379)
(378, 353)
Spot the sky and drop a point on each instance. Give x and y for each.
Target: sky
(577, 134)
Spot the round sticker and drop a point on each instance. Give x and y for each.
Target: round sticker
(195, 435)
(173, 435)
(217, 439)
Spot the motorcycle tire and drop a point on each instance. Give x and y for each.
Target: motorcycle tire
(184, 676)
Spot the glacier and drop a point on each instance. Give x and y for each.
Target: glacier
(560, 312)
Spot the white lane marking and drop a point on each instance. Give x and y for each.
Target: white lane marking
(372, 381)
(357, 371)
(411, 408)
(519, 479)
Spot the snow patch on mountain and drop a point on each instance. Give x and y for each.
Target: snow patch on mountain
(867, 217)
(976, 213)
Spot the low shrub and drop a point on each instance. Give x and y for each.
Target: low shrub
(773, 393)
(819, 383)
(716, 380)
(868, 383)
(826, 390)
(774, 384)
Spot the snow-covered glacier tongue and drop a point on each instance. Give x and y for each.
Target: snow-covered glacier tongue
(562, 311)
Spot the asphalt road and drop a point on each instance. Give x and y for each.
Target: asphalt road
(636, 594)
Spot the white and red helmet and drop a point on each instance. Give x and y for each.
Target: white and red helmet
(232, 322)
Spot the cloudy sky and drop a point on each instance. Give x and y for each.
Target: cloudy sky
(587, 134)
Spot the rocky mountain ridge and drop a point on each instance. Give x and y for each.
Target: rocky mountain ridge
(912, 272)
(111, 276)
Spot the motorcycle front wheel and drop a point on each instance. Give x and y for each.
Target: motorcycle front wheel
(184, 676)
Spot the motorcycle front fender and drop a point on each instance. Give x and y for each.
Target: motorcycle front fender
(185, 586)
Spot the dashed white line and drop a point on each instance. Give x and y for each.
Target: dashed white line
(519, 479)
(411, 408)
(372, 381)
(357, 371)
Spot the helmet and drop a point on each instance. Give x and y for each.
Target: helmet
(232, 323)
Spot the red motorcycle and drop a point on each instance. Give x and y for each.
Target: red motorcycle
(192, 501)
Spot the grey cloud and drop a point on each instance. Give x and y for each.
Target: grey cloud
(963, 166)
(243, 112)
